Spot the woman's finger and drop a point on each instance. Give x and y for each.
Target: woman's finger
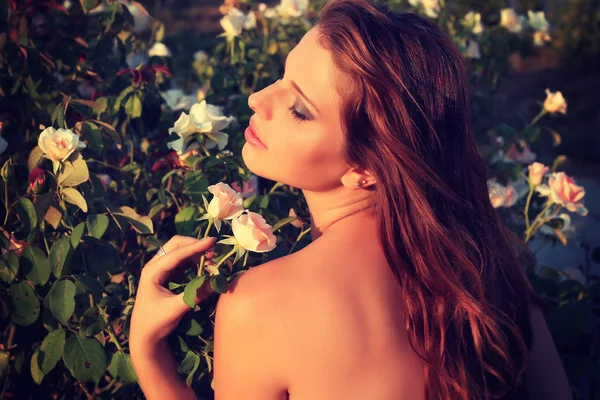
(161, 267)
(173, 243)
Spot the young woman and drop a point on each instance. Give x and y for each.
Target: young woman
(410, 288)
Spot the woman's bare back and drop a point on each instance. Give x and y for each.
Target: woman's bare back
(346, 337)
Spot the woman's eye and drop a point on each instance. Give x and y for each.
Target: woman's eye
(296, 114)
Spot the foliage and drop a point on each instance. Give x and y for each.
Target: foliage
(93, 183)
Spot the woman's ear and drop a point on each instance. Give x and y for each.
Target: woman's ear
(356, 178)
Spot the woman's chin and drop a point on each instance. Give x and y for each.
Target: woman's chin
(254, 162)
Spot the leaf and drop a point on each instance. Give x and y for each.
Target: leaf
(196, 184)
(26, 304)
(97, 225)
(79, 174)
(73, 196)
(185, 221)
(189, 366)
(61, 298)
(219, 284)
(42, 204)
(121, 366)
(76, 234)
(282, 222)
(58, 256)
(140, 223)
(34, 157)
(9, 266)
(85, 358)
(51, 350)
(26, 212)
(5, 357)
(35, 265)
(189, 294)
(34, 367)
(53, 216)
(94, 136)
(87, 5)
(133, 106)
(230, 240)
(92, 322)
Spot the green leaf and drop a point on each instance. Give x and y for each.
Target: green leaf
(185, 221)
(189, 366)
(42, 204)
(122, 367)
(34, 156)
(73, 196)
(85, 358)
(94, 136)
(35, 265)
(121, 97)
(25, 303)
(58, 256)
(51, 350)
(61, 298)
(282, 222)
(92, 322)
(219, 283)
(79, 174)
(26, 212)
(34, 367)
(97, 225)
(76, 234)
(9, 266)
(196, 184)
(189, 294)
(133, 106)
(140, 223)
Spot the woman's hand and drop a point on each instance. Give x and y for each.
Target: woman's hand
(157, 311)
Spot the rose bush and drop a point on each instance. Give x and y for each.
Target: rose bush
(112, 142)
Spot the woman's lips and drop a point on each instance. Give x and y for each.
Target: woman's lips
(252, 138)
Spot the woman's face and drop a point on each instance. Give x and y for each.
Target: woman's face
(303, 134)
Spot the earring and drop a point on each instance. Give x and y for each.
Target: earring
(364, 181)
(357, 184)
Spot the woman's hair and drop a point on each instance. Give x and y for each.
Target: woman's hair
(406, 117)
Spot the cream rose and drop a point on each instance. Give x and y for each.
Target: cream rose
(253, 233)
(510, 20)
(555, 102)
(159, 49)
(226, 202)
(58, 144)
(536, 173)
(203, 118)
(562, 190)
(472, 20)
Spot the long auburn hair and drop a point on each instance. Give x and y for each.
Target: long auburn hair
(406, 117)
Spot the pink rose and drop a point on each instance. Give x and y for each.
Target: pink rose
(536, 173)
(226, 202)
(562, 190)
(253, 233)
(249, 188)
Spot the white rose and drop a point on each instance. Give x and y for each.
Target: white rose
(473, 50)
(253, 233)
(177, 100)
(226, 202)
(510, 20)
(201, 56)
(537, 20)
(58, 144)
(472, 20)
(159, 49)
(202, 118)
(232, 23)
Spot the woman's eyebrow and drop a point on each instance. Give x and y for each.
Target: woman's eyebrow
(295, 86)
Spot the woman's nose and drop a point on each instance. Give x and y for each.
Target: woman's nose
(259, 102)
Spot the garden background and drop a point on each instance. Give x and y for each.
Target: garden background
(118, 117)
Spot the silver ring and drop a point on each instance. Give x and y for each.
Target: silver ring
(161, 251)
